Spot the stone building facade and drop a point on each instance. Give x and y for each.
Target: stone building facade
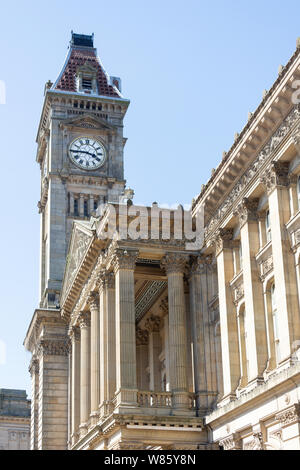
(146, 342)
(14, 420)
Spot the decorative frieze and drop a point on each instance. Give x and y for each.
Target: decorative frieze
(232, 442)
(253, 170)
(290, 415)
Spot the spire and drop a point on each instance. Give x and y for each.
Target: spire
(83, 71)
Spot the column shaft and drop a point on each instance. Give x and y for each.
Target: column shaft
(95, 357)
(84, 371)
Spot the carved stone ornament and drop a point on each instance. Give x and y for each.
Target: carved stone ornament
(253, 170)
(142, 337)
(174, 263)
(33, 366)
(164, 305)
(74, 333)
(247, 210)
(110, 281)
(290, 415)
(84, 320)
(256, 443)
(266, 267)
(124, 259)
(153, 323)
(232, 442)
(93, 301)
(199, 264)
(53, 347)
(223, 239)
(276, 175)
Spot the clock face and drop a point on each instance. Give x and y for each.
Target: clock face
(87, 153)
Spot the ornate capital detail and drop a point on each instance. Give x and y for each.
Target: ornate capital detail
(33, 366)
(199, 264)
(124, 259)
(174, 263)
(142, 337)
(246, 210)
(265, 267)
(93, 300)
(54, 347)
(73, 333)
(84, 319)
(232, 442)
(110, 280)
(223, 239)
(290, 415)
(276, 175)
(153, 323)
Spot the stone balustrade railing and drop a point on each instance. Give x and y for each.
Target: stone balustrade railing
(154, 399)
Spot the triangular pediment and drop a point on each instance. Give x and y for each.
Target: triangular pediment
(80, 241)
(87, 121)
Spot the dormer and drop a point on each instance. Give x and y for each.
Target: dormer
(86, 79)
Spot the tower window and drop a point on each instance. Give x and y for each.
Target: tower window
(76, 213)
(86, 83)
(85, 209)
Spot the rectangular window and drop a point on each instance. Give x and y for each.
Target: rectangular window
(86, 84)
(85, 209)
(268, 227)
(76, 213)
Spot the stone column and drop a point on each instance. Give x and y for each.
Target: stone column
(228, 320)
(198, 300)
(276, 181)
(34, 372)
(84, 322)
(152, 325)
(254, 320)
(81, 205)
(95, 356)
(103, 345)
(91, 203)
(111, 337)
(74, 335)
(174, 265)
(124, 265)
(142, 341)
(71, 204)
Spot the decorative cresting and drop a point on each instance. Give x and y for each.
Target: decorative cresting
(223, 239)
(253, 169)
(232, 442)
(54, 347)
(142, 337)
(289, 415)
(276, 175)
(246, 211)
(153, 324)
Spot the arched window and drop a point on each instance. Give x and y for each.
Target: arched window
(275, 321)
(268, 226)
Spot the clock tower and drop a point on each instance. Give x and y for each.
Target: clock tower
(80, 153)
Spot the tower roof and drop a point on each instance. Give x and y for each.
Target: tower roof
(83, 54)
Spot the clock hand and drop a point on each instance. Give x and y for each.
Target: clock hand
(83, 151)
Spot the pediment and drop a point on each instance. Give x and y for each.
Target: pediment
(81, 238)
(87, 121)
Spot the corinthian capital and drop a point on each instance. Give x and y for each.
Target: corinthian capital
(93, 300)
(174, 263)
(247, 210)
(223, 239)
(84, 320)
(124, 259)
(73, 333)
(199, 264)
(276, 175)
(142, 337)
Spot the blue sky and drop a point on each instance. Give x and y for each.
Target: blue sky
(192, 70)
